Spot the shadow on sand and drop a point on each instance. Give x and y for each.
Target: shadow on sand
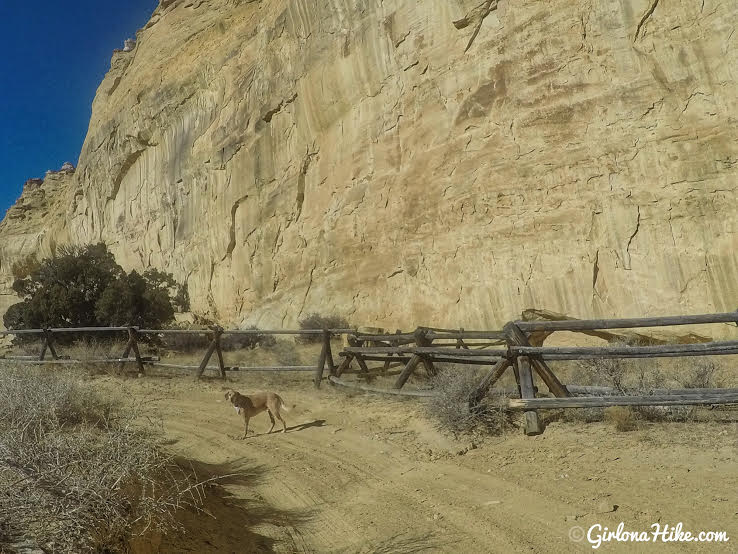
(227, 520)
(294, 428)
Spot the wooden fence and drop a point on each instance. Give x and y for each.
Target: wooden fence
(215, 335)
(518, 347)
(525, 355)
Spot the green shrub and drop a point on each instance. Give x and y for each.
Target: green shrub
(317, 321)
(84, 286)
(250, 341)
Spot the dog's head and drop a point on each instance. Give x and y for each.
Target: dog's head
(230, 393)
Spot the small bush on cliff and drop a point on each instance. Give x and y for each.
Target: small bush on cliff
(84, 286)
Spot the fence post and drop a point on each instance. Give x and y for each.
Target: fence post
(48, 343)
(218, 333)
(533, 424)
(421, 340)
(329, 354)
(321, 360)
(516, 337)
(132, 333)
(214, 345)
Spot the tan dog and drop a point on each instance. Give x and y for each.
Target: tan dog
(249, 406)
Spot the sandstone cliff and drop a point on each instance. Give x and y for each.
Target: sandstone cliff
(443, 162)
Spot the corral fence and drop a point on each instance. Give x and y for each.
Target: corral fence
(518, 347)
(132, 354)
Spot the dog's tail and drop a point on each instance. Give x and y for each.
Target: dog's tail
(283, 405)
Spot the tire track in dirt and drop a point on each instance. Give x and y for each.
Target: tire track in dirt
(359, 474)
(359, 489)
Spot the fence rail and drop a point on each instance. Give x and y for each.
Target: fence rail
(215, 334)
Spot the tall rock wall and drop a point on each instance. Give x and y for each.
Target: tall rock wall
(443, 162)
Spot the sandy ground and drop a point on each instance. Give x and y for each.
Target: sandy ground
(361, 473)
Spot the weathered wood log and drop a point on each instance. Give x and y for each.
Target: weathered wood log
(362, 364)
(409, 368)
(516, 374)
(428, 351)
(208, 353)
(48, 344)
(405, 338)
(35, 361)
(663, 350)
(87, 329)
(128, 348)
(175, 331)
(22, 332)
(705, 399)
(533, 425)
(300, 332)
(134, 347)
(365, 388)
(345, 364)
(473, 361)
(628, 323)
(454, 353)
(318, 378)
(219, 352)
(291, 368)
(440, 335)
(378, 357)
(489, 380)
(517, 338)
(422, 340)
(62, 330)
(565, 357)
(329, 353)
(610, 391)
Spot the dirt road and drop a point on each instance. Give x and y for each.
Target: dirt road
(358, 474)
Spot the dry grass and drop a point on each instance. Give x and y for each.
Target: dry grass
(93, 349)
(78, 473)
(450, 408)
(622, 418)
(642, 378)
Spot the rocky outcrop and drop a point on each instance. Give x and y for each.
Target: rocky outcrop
(401, 163)
(36, 224)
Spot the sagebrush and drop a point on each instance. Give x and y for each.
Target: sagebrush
(78, 472)
(318, 321)
(450, 406)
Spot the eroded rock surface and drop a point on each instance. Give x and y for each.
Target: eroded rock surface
(414, 162)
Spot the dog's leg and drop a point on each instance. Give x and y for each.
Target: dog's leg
(272, 418)
(284, 425)
(246, 426)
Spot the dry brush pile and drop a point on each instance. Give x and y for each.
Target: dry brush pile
(450, 409)
(78, 472)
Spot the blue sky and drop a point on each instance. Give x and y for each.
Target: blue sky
(53, 57)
